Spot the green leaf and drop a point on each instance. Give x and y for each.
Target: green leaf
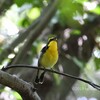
(33, 13)
(68, 9)
(35, 3)
(18, 97)
(24, 22)
(97, 63)
(80, 1)
(96, 10)
(21, 2)
(76, 32)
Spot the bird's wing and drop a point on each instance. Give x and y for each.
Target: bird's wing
(42, 52)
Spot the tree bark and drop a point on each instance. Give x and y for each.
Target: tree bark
(5, 4)
(26, 90)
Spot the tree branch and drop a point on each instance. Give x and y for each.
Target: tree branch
(26, 90)
(53, 71)
(21, 37)
(5, 4)
(37, 31)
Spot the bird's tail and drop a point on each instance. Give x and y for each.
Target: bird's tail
(39, 77)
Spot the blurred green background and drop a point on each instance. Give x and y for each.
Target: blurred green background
(26, 25)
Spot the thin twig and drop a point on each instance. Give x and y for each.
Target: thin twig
(53, 71)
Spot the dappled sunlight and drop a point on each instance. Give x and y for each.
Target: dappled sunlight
(7, 94)
(90, 5)
(26, 27)
(9, 27)
(97, 53)
(11, 56)
(84, 98)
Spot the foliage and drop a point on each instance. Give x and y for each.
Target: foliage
(77, 25)
(68, 11)
(37, 3)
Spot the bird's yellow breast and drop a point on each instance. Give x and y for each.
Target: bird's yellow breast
(50, 57)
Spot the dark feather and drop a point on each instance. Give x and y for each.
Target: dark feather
(44, 49)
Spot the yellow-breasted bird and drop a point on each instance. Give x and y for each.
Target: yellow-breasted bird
(48, 58)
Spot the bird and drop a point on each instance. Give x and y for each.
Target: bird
(48, 58)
